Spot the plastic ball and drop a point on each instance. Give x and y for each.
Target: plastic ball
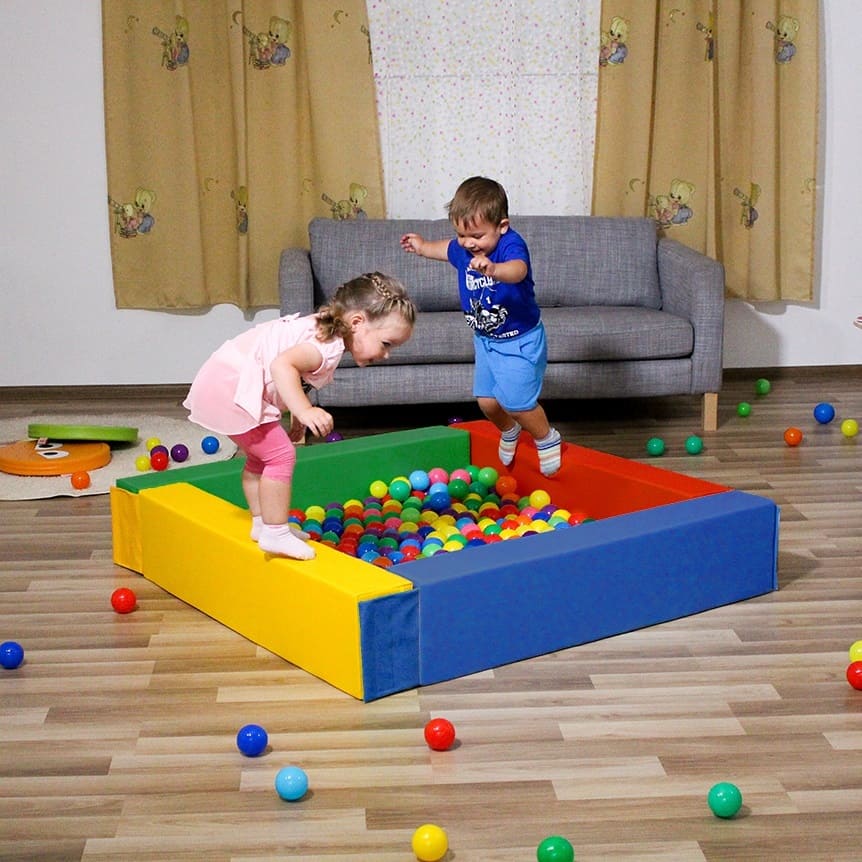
(179, 452)
(430, 843)
(457, 488)
(824, 413)
(506, 485)
(854, 674)
(11, 654)
(488, 476)
(291, 783)
(856, 651)
(724, 799)
(555, 848)
(694, 445)
(539, 498)
(334, 437)
(378, 488)
(793, 436)
(159, 461)
(438, 474)
(142, 463)
(849, 427)
(159, 448)
(440, 734)
(210, 445)
(762, 386)
(152, 442)
(419, 480)
(655, 446)
(252, 740)
(399, 489)
(80, 480)
(743, 408)
(123, 600)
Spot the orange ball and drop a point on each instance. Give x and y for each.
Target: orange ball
(80, 480)
(506, 485)
(792, 436)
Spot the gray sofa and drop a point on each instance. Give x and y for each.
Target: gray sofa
(627, 314)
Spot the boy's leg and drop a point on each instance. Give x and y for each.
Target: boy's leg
(506, 424)
(548, 440)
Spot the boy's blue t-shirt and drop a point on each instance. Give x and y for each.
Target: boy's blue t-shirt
(492, 308)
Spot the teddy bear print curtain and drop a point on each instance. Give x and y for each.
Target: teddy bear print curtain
(229, 125)
(707, 122)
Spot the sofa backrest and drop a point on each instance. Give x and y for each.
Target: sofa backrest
(576, 260)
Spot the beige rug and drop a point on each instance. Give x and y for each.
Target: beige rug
(169, 430)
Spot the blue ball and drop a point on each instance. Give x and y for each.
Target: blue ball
(252, 740)
(419, 480)
(210, 445)
(11, 654)
(291, 783)
(824, 413)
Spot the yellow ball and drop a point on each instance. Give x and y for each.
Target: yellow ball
(430, 843)
(316, 513)
(142, 463)
(378, 488)
(153, 442)
(849, 427)
(539, 498)
(856, 651)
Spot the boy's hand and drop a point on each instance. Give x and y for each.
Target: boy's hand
(317, 420)
(412, 242)
(482, 264)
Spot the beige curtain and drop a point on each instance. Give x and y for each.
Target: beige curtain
(229, 126)
(707, 121)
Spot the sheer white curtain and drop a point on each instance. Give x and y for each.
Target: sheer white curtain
(502, 89)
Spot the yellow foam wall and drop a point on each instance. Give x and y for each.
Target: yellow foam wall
(197, 547)
(126, 529)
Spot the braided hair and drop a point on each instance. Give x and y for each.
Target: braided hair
(374, 294)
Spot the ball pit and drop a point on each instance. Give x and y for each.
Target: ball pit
(427, 513)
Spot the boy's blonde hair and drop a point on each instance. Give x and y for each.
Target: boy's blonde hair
(374, 294)
(478, 199)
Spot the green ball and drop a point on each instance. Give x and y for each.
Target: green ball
(694, 445)
(724, 799)
(458, 489)
(488, 476)
(655, 446)
(762, 386)
(555, 848)
(743, 408)
(399, 489)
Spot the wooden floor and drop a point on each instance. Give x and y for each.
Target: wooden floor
(117, 735)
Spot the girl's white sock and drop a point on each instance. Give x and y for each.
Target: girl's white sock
(279, 540)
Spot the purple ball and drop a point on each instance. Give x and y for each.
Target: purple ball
(333, 437)
(179, 452)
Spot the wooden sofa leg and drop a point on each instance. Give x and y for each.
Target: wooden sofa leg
(710, 411)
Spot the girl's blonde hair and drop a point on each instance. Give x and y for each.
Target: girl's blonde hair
(374, 294)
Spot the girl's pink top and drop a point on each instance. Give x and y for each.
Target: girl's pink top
(233, 392)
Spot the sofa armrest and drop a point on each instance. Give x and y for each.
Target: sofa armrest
(692, 287)
(295, 282)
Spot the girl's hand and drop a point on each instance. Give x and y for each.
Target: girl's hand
(317, 420)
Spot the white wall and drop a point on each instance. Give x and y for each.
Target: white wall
(60, 326)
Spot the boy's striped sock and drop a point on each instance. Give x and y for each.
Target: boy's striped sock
(508, 444)
(550, 452)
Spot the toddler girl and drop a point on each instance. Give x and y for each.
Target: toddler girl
(244, 387)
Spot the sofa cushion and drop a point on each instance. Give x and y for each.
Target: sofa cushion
(590, 260)
(595, 333)
(341, 250)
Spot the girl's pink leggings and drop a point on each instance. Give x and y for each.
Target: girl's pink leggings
(269, 451)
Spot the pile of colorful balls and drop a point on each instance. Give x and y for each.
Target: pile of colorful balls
(428, 513)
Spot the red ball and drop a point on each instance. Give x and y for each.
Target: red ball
(440, 734)
(854, 674)
(123, 600)
(80, 480)
(792, 436)
(159, 460)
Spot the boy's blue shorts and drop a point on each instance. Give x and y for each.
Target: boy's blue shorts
(511, 370)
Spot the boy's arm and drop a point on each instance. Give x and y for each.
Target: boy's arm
(507, 271)
(437, 249)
